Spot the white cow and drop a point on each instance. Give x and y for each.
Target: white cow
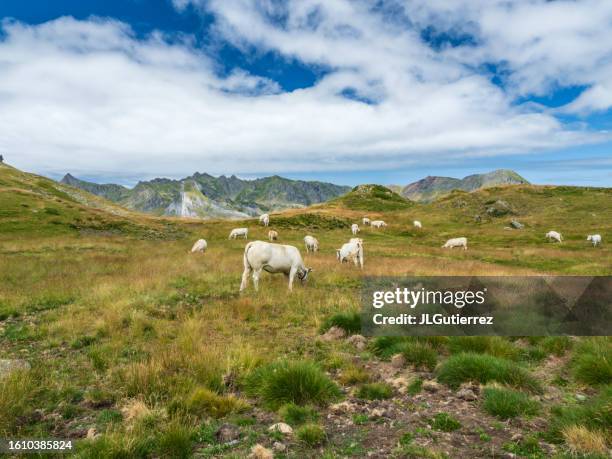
(595, 239)
(456, 242)
(378, 224)
(352, 250)
(365, 221)
(272, 235)
(312, 244)
(417, 224)
(354, 229)
(239, 232)
(554, 236)
(199, 246)
(264, 219)
(273, 258)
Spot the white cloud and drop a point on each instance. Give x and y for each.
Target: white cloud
(90, 96)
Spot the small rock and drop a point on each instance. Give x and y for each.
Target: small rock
(516, 225)
(261, 452)
(466, 394)
(398, 361)
(334, 333)
(91, 433)
(431, 386)
(510, 456)
(279, 447)
(9, 365)
(227, 433)
(358, 341)
(516, 437)
(580, 397)
(342, 407)
(377, 413)
(398, 383)
(281, 427)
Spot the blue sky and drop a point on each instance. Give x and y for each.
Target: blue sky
(383, 91)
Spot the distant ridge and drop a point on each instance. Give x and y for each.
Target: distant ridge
(433, 187)
(204, 196)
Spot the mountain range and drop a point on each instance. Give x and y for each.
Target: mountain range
(205, 196)
(433, 187)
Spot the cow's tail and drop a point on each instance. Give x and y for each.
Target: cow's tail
(244, 258)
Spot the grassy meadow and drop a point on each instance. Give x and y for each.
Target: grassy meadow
(137, 348)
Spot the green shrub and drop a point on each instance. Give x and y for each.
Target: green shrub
(506, 403)
(311, 434)
(445, 422)
(296, 415)
(420, 355)
(350, 322)
(592, 361)
(387, 346)
(375, 391)
(300, 382)
(204, 402)
(484, 368)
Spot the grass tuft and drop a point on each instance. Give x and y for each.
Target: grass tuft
(296, 415)
(311, 434)
(444, 422)
(506, 403)
(204, 402)
(350, 322)
(375, 391)
(300, 382)
(582, 441)
(592, 362)
(420, 355)
(485, 368)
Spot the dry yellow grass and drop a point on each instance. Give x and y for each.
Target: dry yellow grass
(581, 440)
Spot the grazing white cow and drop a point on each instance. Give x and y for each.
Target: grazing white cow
(273, 258)
(312, 244)
(365, 221)
(272, 235)
(456, 242)
(239, 232)
(417, 224)
(378, 224)
(352, 250)
(354, 229)
(264, 219)
(595, 239)
(199, 246)
(554, 236)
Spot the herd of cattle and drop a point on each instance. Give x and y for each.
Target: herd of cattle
(286, 259)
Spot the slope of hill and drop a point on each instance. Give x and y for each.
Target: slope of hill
(205, 196)
(432, 187)
(373, 198)
(34, 205)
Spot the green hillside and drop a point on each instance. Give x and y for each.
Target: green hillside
(371, 197)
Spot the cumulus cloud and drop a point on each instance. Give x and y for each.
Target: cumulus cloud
(91, 96)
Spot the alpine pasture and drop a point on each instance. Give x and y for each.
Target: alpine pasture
(125, 342)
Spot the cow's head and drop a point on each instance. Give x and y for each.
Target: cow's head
(303, 274)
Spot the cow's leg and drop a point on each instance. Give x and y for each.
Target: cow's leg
(245, 278)
(292, 274)
(256, 274)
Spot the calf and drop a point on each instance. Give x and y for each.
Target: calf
(312, 244)
(199, 246)
(595, 239)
